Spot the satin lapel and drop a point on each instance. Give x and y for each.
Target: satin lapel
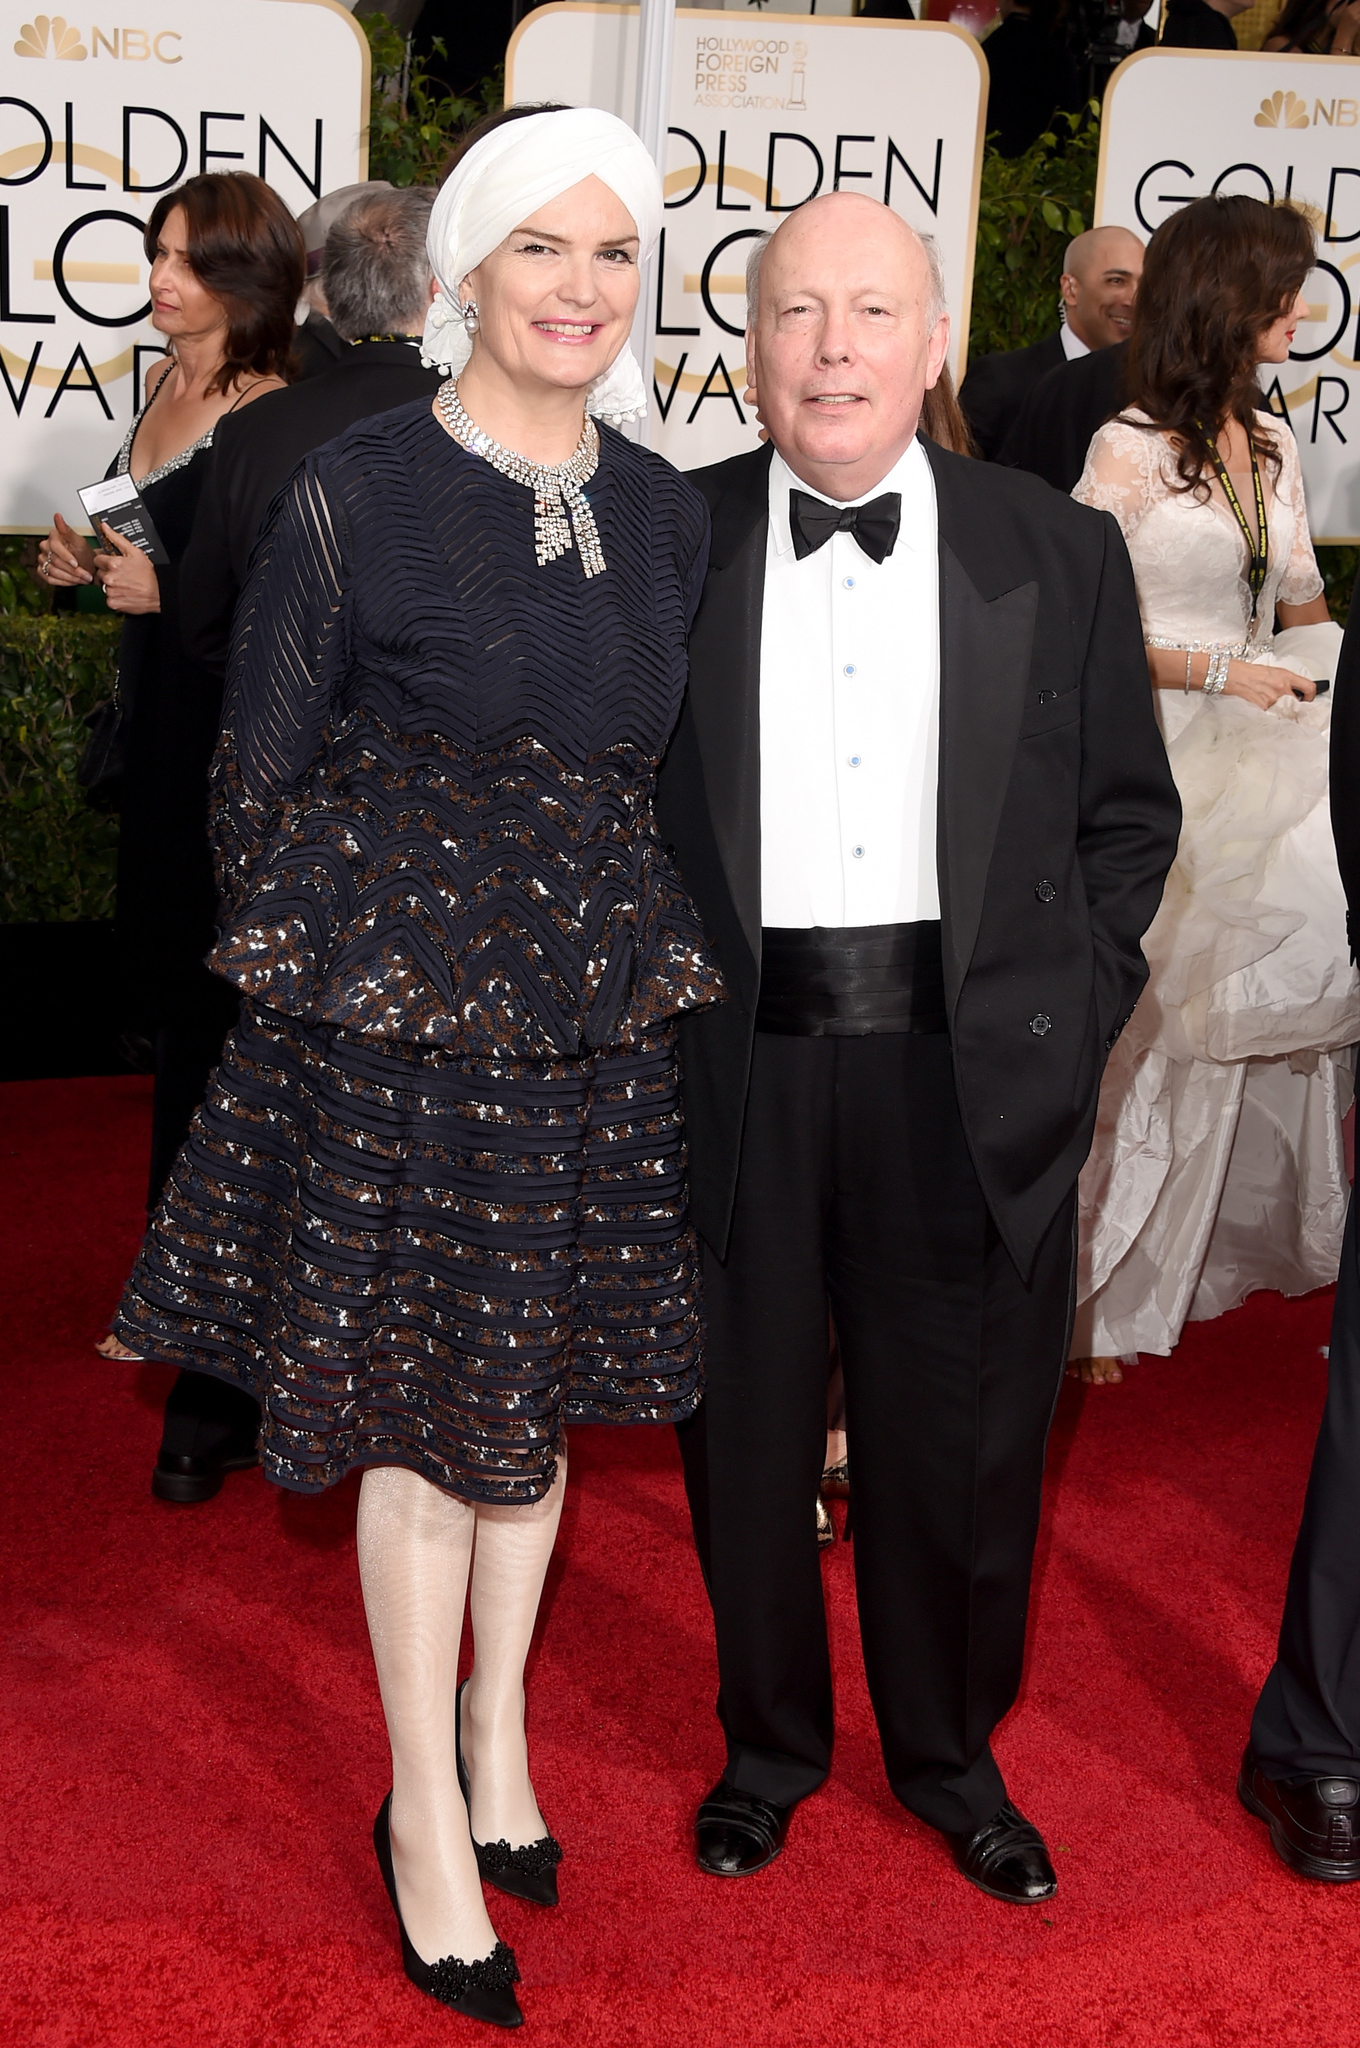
(985, 648)
(725, 681)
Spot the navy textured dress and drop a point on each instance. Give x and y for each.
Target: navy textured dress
(435, 1198)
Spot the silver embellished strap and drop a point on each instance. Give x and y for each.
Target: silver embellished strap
(180, 461)
(561, 508)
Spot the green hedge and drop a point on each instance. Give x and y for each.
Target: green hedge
(1029, 208)
(56, 854)
(414, 120)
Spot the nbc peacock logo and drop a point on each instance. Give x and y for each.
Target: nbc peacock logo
(43, 31)
(1283, 110)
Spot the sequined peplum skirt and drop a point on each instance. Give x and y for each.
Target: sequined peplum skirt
(417, 1258)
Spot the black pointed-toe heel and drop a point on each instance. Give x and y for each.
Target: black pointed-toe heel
(528, 1873)
(483, 1990)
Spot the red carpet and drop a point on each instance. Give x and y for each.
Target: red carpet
(194, 1749)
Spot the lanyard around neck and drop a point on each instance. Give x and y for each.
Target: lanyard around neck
(1258, 543)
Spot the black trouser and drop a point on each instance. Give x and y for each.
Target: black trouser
(201, 1413)
(1307, 1720)
(856, 1188)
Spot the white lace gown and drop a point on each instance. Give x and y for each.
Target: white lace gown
(1217, 1166)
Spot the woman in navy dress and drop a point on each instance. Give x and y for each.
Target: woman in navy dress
(434, 1203)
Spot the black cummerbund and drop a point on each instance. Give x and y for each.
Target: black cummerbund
(851, 982)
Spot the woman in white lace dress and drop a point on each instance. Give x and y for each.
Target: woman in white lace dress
(1217, 1165)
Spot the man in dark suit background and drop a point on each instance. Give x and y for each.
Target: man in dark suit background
(318, 347)
(378, 284)
(1201, 24)
(918, 794)
(1099, 283)
(1030, 73)
(1301, 1771)
(1059, 418)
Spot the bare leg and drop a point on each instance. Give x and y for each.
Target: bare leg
(415, 1546)
(511, 1557)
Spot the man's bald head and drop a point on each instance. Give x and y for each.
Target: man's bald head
(1099, 247)
(846, 331)
(827, 201)
(1099, 284)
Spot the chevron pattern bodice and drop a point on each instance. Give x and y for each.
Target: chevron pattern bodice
(433, 791)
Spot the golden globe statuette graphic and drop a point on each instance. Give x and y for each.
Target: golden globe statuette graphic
(1179, 124)
(96, 124)
(797, 103)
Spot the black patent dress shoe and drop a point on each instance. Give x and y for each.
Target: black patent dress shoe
(526, 1873)
(1314, 1822)
(185, 1480)
(736, 1833)
(483, 1990)
(1006, 1858)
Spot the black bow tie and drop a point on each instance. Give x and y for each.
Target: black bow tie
(875, 525)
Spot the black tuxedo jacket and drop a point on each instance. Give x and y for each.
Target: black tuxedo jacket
(1345, 771)
(254, 453)
(996, 387)
(1060, 417)
(316, 348)
(1058, 820)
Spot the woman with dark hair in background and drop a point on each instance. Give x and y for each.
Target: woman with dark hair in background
(942, 417)
(1217, 1166)
(226, 271)
(1318, 28)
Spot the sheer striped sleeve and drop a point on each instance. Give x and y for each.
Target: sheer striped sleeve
(290, 650)
(289, 643)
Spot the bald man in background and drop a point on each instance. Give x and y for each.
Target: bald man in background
(1099, 284)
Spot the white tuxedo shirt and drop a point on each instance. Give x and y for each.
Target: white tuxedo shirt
(850, 716)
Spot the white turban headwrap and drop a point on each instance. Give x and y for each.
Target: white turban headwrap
(498, 185)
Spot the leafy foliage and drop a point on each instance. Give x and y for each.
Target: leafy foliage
(1029, 209)
(20, 590)
(414, 119)
(57, 855)
(1339, 567)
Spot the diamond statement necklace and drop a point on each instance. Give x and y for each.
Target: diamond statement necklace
(561, 507)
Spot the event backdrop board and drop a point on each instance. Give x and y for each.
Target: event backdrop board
(1182, 123)
(765, 111)
(99, 120)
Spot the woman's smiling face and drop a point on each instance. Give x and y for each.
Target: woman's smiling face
(555, 301)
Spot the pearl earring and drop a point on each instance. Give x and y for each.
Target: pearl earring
(470, 319)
